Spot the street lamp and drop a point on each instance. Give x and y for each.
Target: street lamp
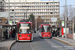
(8, 15)
(14, 12)
(53, 10)
(8, 11)
(14, 16)
(73, 26)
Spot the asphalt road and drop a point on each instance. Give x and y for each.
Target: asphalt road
(41, 44)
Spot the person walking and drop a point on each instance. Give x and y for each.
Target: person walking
(56, 33)
(52, 33)
(10, 33)
(14, 33)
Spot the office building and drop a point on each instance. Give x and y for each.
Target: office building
(37, 7)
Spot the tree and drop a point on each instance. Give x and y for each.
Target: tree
(39, 21)
(32, 19)
(69, 13)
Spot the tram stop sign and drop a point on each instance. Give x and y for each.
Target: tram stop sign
(10, 22)
(62, 23)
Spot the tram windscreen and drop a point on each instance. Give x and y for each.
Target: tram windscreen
(25, 28)
(46, 28)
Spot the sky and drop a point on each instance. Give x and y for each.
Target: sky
(62, 3)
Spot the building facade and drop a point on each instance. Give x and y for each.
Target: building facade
(23, 8)
(1, 5)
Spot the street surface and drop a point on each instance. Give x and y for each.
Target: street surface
(41, 44)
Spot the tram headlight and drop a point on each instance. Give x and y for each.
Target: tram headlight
(20, 35)
(28, 35)
(43, 33)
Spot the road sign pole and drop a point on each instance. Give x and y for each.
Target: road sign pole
(8, 15)
(65, 20)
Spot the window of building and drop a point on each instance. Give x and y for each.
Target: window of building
(47, 3)
(51, 12)
(47, 9)
(37, 3)
(51, 3)
(57, 6)
(11, 16)
(55, 3)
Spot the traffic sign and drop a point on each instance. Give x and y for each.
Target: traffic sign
(53, 19)
(62, 23)
(10, 22)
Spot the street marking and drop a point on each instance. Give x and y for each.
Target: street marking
(65, 47)
(49, 44)
(31, 46)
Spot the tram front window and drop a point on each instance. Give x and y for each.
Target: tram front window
(46, 28)
(25, 28)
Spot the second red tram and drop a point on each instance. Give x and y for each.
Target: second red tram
(45, 31)
(24, 32)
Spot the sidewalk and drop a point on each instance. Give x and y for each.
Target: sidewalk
(70, 42)
(6, 45)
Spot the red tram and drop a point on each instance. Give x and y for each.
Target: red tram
(45, 31)
(24, 32)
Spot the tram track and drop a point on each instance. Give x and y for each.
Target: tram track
(17, 44)
(31, 46)
(40, 44)
(16, 47)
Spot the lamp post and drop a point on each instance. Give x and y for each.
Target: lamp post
(14, 12)
(73, 26)
(65, 19)
(8, 11)
(8, 15)
(53, 10)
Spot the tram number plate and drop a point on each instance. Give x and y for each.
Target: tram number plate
(46, 34)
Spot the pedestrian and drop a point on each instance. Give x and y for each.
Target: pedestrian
(14, 33)
(52, 33)
(56, 33)
(6, 34)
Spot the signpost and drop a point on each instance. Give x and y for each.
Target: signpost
(53, 19)
(0, 33)
(62, 23)
(10, 22)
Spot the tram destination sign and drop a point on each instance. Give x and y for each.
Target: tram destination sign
(53, 19)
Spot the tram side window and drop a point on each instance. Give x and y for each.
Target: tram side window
(40, 30)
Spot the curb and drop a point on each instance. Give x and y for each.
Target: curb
(9, 48)
(64, 42)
